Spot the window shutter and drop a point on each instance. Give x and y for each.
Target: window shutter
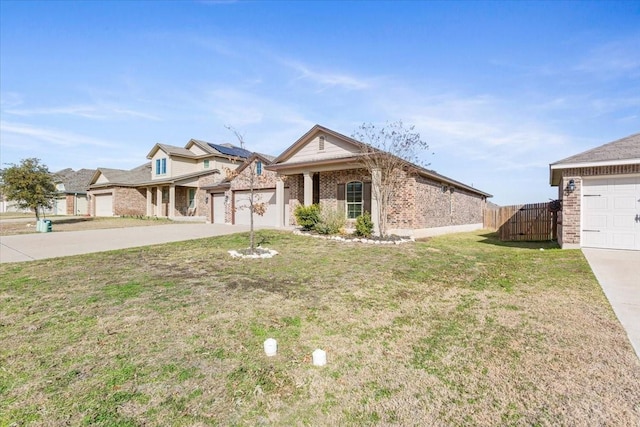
(341, 197)
(366, 197)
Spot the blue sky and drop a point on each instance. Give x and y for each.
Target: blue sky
(498, 89)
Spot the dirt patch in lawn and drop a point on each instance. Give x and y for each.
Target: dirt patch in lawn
(453, 331)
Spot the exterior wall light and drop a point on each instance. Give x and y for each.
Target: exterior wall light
(571, 186)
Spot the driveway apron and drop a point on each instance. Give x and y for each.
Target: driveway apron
(617, 272)
(29, 247)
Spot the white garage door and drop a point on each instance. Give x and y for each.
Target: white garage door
(104, 204)
(270, 217)
(218, 208)
(60, 207)
(611, 213)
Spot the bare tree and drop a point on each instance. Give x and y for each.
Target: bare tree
(389, 153)
(255, 205)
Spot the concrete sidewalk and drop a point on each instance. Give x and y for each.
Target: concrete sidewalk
(29, 247)
(617, 272)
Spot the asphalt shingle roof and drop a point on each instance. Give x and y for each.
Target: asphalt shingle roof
(622, 149)
(136, 175)
(75, 181)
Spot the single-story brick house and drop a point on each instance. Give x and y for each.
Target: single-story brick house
(324, 166)
(600, 194)
(72, 186)
(169, 185)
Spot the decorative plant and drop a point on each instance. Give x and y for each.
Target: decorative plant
(364, 225)
(307, 216)
(331, 221)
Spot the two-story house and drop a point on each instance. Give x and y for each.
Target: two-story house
(169, 185)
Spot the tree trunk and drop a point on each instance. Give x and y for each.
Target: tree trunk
(37, 213)
(252, 243)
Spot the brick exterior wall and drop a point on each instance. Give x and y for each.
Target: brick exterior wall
(296, 194)
(242, 181)
(437, 208)
(420, 203)
(70, 204)
(569, 219)
(129, 201)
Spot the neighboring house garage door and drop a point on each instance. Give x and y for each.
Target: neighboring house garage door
(611, 213)
(104, 204)
(61, 206)
(218, 208)
(270, 217)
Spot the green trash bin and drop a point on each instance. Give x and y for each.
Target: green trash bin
(48, 226)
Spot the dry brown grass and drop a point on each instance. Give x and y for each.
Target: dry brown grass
(459, 330)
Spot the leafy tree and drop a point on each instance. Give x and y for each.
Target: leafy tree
(29, 184)
(389, 153)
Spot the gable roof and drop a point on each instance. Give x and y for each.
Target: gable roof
(74, 181)
(355, 158)
(208, 147)
(620, 152)
(132, 177)
(265, 159)
(305, 138)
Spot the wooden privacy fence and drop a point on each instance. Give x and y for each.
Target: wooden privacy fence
(531, 222)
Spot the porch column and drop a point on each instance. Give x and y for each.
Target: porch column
(308, 188)
(149, 200)
(172, 201)
(280, 201)
(375, 203)
(159, 201)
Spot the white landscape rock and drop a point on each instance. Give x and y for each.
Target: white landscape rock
(268, 253)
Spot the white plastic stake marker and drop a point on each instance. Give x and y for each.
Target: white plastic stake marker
(319, 357)
(270, 347)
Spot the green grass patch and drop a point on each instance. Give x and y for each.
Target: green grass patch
(458, 330)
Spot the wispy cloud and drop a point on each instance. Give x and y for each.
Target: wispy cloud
(327, 79)
(98, 111)
(52, 136)
(613, 59)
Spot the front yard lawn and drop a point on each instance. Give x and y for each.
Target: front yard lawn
(457, 330)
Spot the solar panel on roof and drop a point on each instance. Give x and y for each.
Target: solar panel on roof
(231, 151)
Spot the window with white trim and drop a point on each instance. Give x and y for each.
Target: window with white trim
(161, 166)
(206, 164)
(354, 199)
(258, 168)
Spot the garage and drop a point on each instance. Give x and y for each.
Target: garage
(218, 208)
(104, 204)
(60, 206)
(268, 196)
(611, 213)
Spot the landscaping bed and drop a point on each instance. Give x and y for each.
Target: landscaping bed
(459, 330)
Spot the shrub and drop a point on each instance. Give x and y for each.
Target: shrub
(364, 225)
(331, 221)
(307, 216)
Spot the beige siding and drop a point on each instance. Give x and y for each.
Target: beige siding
(101, 179)
(182, 166)
(197, 150)
(333, 148)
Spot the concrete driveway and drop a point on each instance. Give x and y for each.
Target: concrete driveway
(617, 272)
(29, 247)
